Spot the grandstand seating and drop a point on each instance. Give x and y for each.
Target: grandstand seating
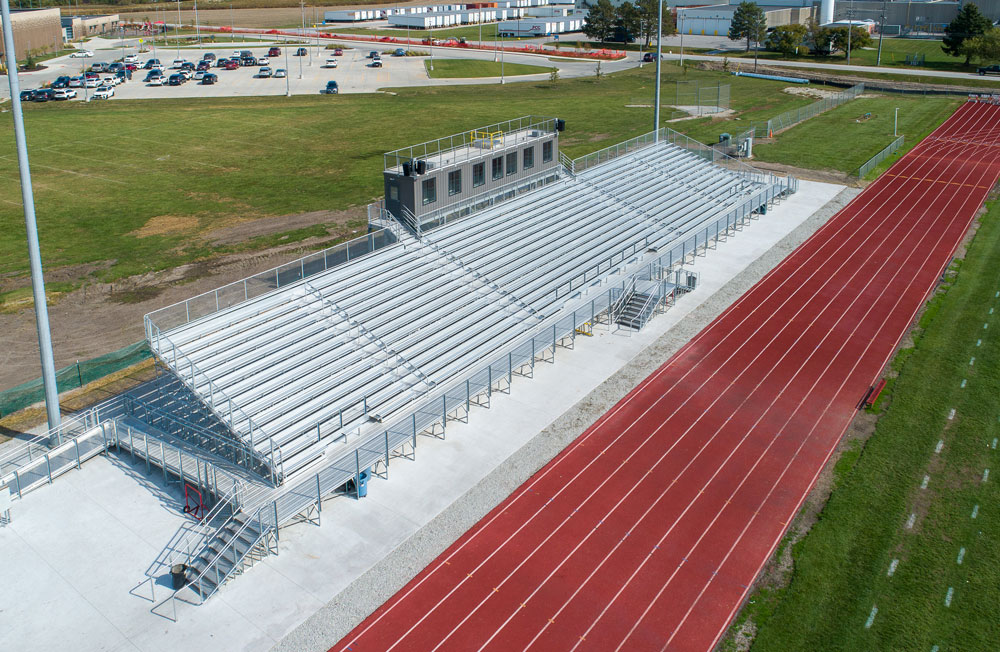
(333, 354)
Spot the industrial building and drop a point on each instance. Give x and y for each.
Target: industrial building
(35, 30)
(77, 27)
(715, 20)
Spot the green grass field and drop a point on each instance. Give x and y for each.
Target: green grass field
(180, 168)
(810, 145)
(841, 567)
(463, 68)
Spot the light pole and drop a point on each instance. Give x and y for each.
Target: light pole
(288, 87)
(850, 30)
(303, 6)
(895, 123)
(177, 31)
(881, 31)
(34, 253)
(659, 54)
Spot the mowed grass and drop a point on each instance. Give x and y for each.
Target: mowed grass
(843, 139)
(181, 167)
(841, 567)
(463, 68)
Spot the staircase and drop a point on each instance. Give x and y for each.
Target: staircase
(235, 547)
(637, 310)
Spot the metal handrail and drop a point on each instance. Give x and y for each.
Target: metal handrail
(274, 464)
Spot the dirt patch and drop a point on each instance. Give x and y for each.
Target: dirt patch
(809, 91)
(166, 225)
(247, 229)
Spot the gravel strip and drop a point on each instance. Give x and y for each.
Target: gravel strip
(339, 616)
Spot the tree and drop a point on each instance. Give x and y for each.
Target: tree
(786, 39)
(749, 22)
(600, 21)
(817, 37)
(969, 23)
(627, 22)
(984, 48)
(647, 20)
(860, 38)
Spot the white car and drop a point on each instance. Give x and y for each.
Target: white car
(186, 73)
(76, 82)
(63, 94)
(200, 74)
(104, 93)
(131, 58)
(93, 82)
(178, 63)
(330, 63)
(158, 66)
(81, 54)
(156, 81)
(263, 61)
(280, 72)
(110, 81)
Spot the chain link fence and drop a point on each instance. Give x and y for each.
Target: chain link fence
(694, 97)
(73, 376)
(795, 116)
(878, 158)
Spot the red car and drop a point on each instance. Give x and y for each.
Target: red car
(232, 64)
(338, 52)
(131, 67)
(274, 52)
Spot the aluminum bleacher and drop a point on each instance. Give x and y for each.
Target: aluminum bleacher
(307, 371)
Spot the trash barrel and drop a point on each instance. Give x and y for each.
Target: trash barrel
(363, 482)
(177, 577)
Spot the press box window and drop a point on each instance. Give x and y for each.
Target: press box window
(394, 192)
(529, 158)
(546, 151)
(512, 163)
(430, 191)
(454, 182)
(478, 174)
(497, 168)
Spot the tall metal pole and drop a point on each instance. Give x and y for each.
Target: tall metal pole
(895, 123)
(288, 87)
(659, 55)
(881, 32)
(197, 27)
(850, 30)
(177, 32)
(28, 199)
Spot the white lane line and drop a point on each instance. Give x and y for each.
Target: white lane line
(949, 596)
(923, 485)
(910, 521)
(892, 567)
(975, 511)
(972, 361)
(994, 443)
(961, 556)
(979, 342)
(951, 414)
(986, 475)
(963, 383)
(940, 445)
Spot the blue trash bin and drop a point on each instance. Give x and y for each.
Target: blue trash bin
(363, 482)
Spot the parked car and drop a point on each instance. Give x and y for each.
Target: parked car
(61, 81)
(42, 95)
(232, 64)
(330, 63)
(27, 96)
(92, 82)
(104, 93)
(152, 74)
(301, 52)
(91, 75)
(131, 67)
(76, 82)
(264, 72)
(150, 63)
(115, 67)
(248, 62)
(263, 61)
(123, 75)
(376, 63)
(110, 80)
(331, 88)
(63, 94)
(280, 72)
(186, 73)
(338, 52)
(373, 54)
(199, 75)
(98, 66)
(209, 78)
(989, 70)
(400, 52)
(236, 54)
(221, 62)
(131, 58)
(274, 52)
(187, 65)
(208, 56)
(203, 65)
(81, 54)
(159, 80)
(176, 79)
(177, 63)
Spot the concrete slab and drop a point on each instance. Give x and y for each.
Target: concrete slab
(76, 548)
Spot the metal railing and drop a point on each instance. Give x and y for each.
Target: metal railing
(795, 116)
(472, 139)
(227, 296)
(874, 161)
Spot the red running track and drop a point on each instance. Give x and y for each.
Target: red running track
(646, 532)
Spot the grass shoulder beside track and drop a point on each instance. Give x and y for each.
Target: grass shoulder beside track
(841, 567)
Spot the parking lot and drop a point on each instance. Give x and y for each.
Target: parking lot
(305, 75)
